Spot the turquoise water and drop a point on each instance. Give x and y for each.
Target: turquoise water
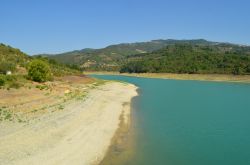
(190, 122)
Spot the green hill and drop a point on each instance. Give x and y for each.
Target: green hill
(192, 58)
(8, 53)
(13, 59)
(112, 57)
(172, 56)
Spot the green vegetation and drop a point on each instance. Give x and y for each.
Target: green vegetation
(22, 66)
(112, 57)
(7, 66)
(2, 80)
(39, 71)
(42, 87)
(8, 115)
(10, 58)
(61, 107)
(189, 58)
(12, 81)
(171, 56)
(59, 69)
(5, 115)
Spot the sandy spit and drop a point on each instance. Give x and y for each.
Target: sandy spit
(78, 135)
(174, 76)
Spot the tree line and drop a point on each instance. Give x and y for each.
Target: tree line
(192, 59)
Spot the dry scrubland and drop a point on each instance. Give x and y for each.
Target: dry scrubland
(23, 104)
(68, 121)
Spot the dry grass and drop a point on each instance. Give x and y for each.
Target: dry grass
(35, 99)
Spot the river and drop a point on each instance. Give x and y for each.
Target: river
(178, 122)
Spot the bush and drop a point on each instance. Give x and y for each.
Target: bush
(6, 66)
(11, 78)
(15, 85)
(39, 71)
(237, 70)
(2, 80)
(11, 81)
(248, 69)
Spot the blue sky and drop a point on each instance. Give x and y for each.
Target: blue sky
(53, 26)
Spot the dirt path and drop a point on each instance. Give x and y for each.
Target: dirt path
(79, 134)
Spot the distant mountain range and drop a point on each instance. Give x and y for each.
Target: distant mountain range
(115, 56)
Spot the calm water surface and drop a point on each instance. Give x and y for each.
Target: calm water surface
(189, 122)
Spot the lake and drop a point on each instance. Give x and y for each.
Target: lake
(179, 122)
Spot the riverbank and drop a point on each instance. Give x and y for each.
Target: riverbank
(79, 133)
(122, 144)
(198, 77)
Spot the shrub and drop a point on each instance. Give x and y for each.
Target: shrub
(237, 70)
(42, 87)
(10, 78)
(39, 71)
(248, 68)
(2, 80)
(6, 66)
(15, 85)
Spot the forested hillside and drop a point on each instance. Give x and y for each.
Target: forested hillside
(112, 57)
(171, 56)
(192, 58)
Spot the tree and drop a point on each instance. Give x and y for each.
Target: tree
(190, 59)
(2, 80)
(248, 68)
(237, 70)
(39, 71)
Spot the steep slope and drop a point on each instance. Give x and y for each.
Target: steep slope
(10, 54)
(10, 58)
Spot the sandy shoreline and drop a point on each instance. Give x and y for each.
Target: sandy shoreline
(197, 77)
(122, 144)
(80, 134)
